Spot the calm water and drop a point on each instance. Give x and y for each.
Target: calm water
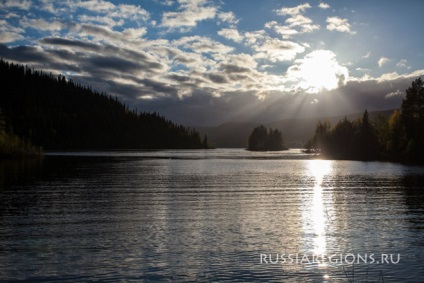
(181, 216)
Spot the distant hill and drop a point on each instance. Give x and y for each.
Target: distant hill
(295, 131)
(55, 113)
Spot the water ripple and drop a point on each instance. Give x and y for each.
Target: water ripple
(190, 216)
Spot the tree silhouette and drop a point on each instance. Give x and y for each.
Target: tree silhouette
(262, 140)
(55, 113)
(413, 120)
(13, 146)
(399, 138)
(367, 147)
(396, 136)
(347, 139)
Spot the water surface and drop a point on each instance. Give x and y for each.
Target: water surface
(209, 215)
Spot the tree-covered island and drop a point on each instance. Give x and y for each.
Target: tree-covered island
(263, 140)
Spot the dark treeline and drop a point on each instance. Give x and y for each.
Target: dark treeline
(262, 140)
(399, 138)
(55, 113)
(13, 146)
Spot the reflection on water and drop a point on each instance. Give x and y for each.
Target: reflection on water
(317, 219)
(20, 170)
(184, 216)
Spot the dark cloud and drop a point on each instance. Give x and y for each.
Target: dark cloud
(127, 93)
(179, 78)
(65, 67)
(237, 77)
(371, 94)
(217, 78)
(23, 54)
(109, 55)
(230, 68)
(114, 63)
(155, 86)
(184, 59)
(62, 54)
(98, 30)
(354, 97)
(70, 43)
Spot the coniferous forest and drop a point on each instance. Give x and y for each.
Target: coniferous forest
(399, 138)
(56, 113)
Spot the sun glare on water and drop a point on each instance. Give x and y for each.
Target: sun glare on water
(315, 212)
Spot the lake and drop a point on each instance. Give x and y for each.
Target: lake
(210, 216)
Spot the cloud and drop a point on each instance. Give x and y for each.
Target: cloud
(390, 77)
(56, 41)
(367, 55)
(168, 2)
(275, 50)
(303, 22)
(96, 11)
(231, 33)
(191, 12)
(103, 34)
(293, 10)
(200, 44)
(99, 6)
(395, 76)
(241, 59)
(9, 33)
(47, 6)
(323, 5)
(285, 31)
(363, 70)
(382, 61)
(24, 54)
(403, 63)
(339, 24)
(116, 63)
(20, 4)
(231, 69)
(353, 97)
(296, 19)
(394, 94)
(253, 37)
(228, 17)
(104, 20)
(217, 78)
(7, 36)
(134, 33)
(131, 12)
(41, 24)
(190, 60)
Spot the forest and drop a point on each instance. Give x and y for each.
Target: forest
(263, 140)
(58, 114)
(13, 146)
(399, 138)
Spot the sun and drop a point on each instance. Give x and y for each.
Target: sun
(318, 71)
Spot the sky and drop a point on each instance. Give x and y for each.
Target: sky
(203, 63)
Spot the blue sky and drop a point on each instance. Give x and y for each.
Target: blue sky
(202, 62)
